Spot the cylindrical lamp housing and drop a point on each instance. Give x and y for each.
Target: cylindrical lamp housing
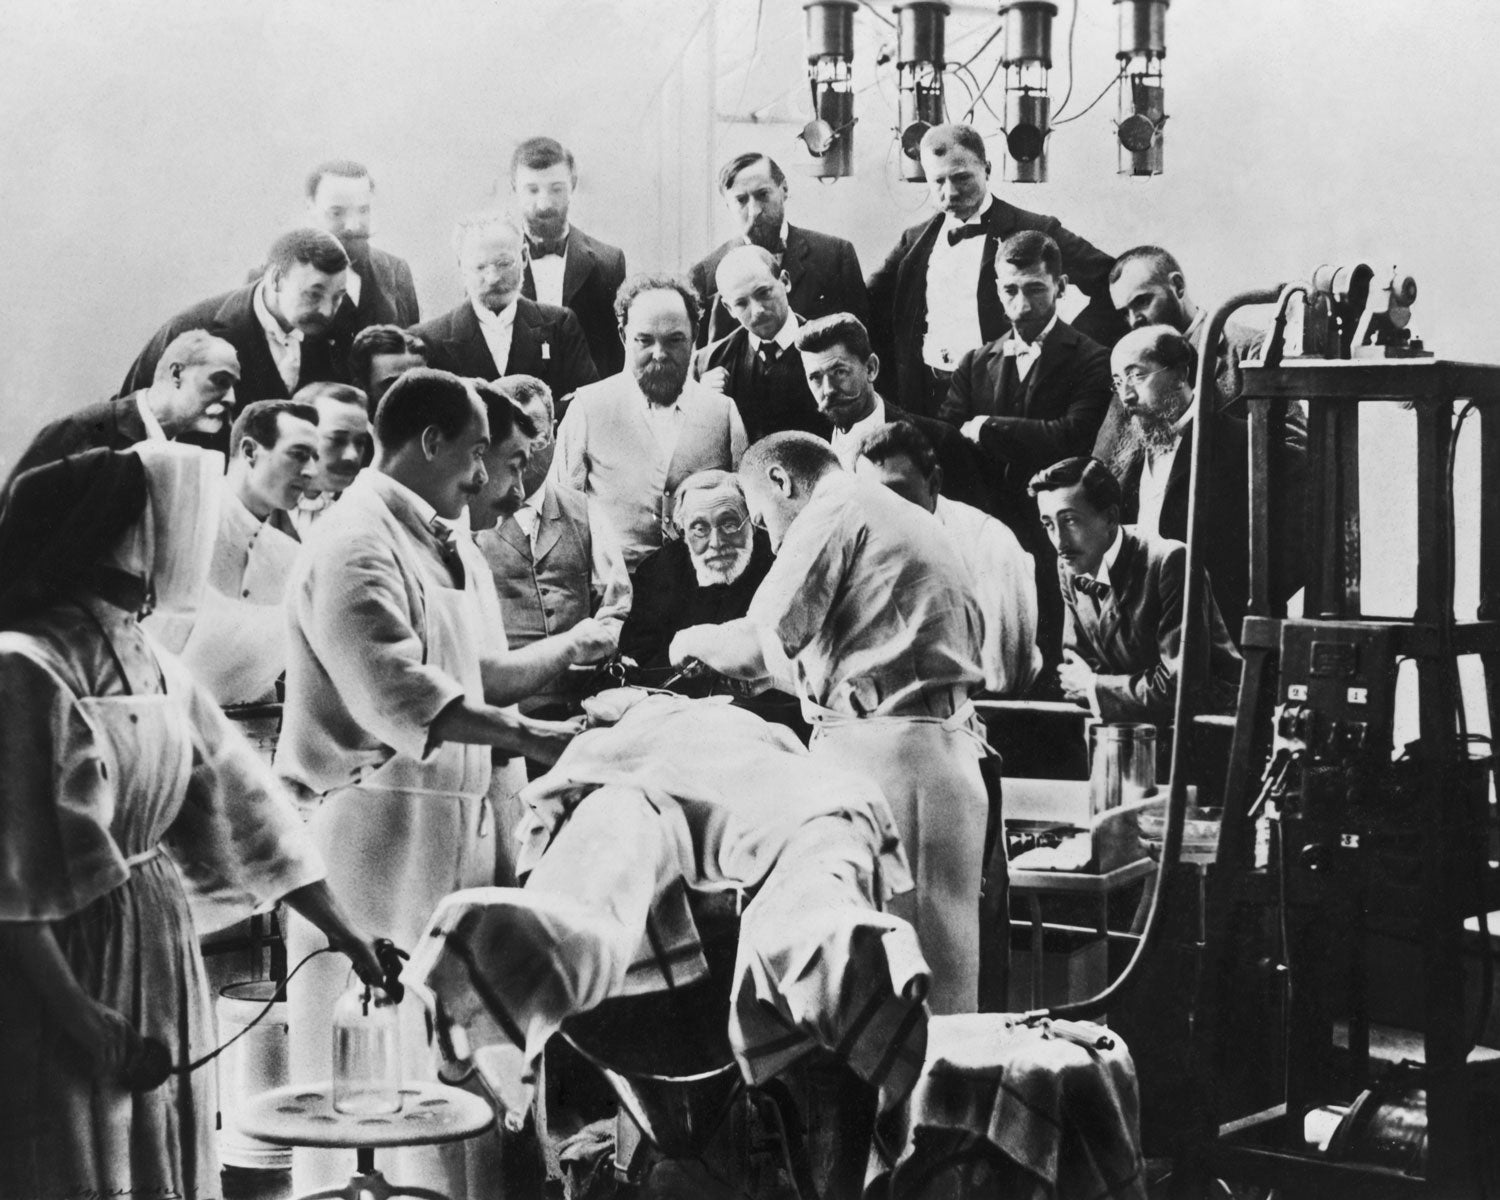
(919, 77)
(1028, 31)
(1026, 137)
(1143, 46)
(830, 57)
(1143, 28)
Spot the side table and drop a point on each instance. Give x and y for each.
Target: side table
(303, 1115)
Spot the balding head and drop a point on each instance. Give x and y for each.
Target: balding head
(1153, 374)
(754, 289)
(192, 383)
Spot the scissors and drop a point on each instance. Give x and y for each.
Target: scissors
(691, 669)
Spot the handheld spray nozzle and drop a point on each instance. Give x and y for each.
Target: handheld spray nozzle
(391, 956)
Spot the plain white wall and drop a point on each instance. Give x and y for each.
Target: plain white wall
(151, 149)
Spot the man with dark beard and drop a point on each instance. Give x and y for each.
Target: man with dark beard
(630, 440)
(822, 271)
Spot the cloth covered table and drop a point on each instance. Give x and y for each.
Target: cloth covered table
(1057, 1100)
(700, 794)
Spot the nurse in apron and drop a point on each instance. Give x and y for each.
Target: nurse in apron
(126, 798)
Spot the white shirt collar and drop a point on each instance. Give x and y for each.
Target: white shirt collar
(1019, 345)
(785, 337)
(1111, 555)
(504, 319)
(1194, 329)
(562, 237)
(268, 322)
(154, 431)
(952, 222)
(745, 238)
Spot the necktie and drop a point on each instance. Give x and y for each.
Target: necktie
(770, 353)
(289, 364)
(1025, 353)
(541, 249)
(447, 550)
(955, 236)
(1090, 586)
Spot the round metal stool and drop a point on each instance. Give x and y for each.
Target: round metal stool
(303, 1115)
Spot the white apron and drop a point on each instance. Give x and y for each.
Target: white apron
(238, 645)
(929, 771)
(409, 833)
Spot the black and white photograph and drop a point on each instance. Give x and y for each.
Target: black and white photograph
(749, 600)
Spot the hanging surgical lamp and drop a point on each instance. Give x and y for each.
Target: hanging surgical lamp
(1027, 60)
(1143, 45)
(919, 77)
(829, 136)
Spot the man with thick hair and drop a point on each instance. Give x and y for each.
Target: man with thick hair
(628, 441)
(281, 327)
(1154, 369)
(1034, 395)
(1148, 287)
(900, 457)
(497, 331)
(379, 355)
(564, 265)
(190, 389)
(823, 273)
(399, 683)
(758, 365)
(1123, 591)
(869, 616)
(378, 288)
(345, 446)
(841, 372)
(236, 642)
(554, 558)
(934, 298)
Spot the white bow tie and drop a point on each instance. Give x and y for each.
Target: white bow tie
(1022, 351)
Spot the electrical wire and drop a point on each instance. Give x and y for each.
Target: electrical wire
(1068, 120)
(760, 12)
(876, 13)
(998, 64)
(1068, 95)
(984, 45)
(255, 1020)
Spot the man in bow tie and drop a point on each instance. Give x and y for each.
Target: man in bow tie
(496, 330)
(934, 298)
(1036, 394)
(1123, 591)
(823, 272)
(564, 265)
(758, 366)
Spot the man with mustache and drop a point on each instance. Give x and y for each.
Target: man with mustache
(630, 440)
(564, 265)
(235, 644)
(1036, 394)
(1123, 591)
(344, 447)
(281, 327)
(400, 686)
(378, 288)
(496, 330)
(190, 389)
(554, 559)
(823, 273)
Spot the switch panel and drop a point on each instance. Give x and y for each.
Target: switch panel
(1341, 677)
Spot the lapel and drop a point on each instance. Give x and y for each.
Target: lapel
(1054, 349)
(525, 346)
(468, 348)
(1114, 604)
(578, 265)
(549, 524)
(509, 531)
(914, 266)
(794, 259)
(236, 321)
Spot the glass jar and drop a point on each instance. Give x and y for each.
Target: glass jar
(366, 1051)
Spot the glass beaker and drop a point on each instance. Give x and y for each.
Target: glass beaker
(1122, 765)
(366, 1051)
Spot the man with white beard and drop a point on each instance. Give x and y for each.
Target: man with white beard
(706, 576)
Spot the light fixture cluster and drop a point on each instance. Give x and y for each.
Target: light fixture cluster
(1026, 58)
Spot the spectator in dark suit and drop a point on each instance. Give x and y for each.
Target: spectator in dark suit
(194, 378)
(1148, 288)
(1034, 395)
(497, 331)
(1124, 595)
(934, 297)
(379, 356)
(378, 288)
(1154, 369)
(564, 265)
(280, 327)
(758, 366)
(823, 274)
(841, 371)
